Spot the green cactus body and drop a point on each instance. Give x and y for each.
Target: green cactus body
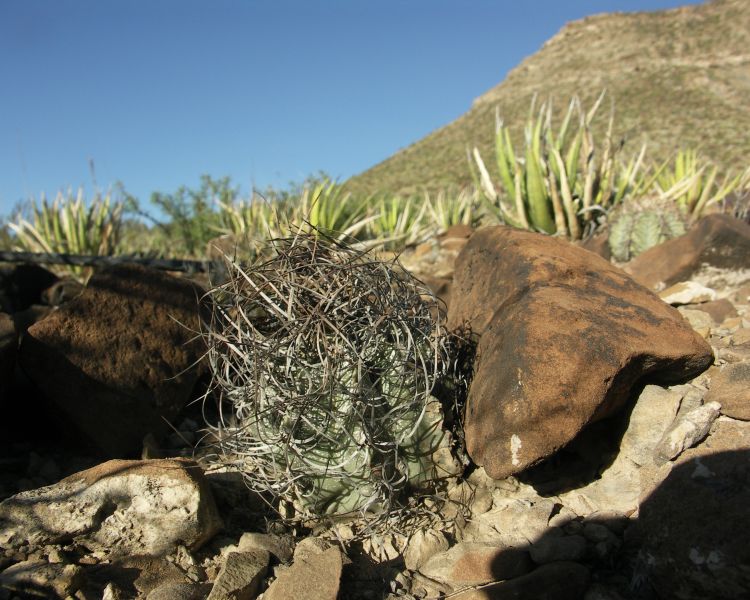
(636, 230)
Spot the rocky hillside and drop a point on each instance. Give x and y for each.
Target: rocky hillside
(679, 78)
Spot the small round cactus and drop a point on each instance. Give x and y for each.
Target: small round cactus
(638, 226)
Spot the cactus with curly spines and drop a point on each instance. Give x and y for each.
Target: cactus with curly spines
(324, 360)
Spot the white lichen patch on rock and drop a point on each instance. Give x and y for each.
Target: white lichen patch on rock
(515, 446)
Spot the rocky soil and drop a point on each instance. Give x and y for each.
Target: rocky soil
(607, 427)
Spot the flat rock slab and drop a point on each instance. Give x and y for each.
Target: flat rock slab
(555, 581)
(717, 240)
(731, 388)
(119, 508)
(315, 578)
(241, 575)
(116, 359)
(563, 337)
(471, 563)
(40, 579)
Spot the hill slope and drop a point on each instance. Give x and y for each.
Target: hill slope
(679, 78)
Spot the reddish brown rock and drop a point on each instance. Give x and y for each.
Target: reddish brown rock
(730, 387)
(116, 360)
(563, 337)
(716, 240)
(598, 244)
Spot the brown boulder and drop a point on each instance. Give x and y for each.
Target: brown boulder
(563, 337)
(716, 240)
(116, 360)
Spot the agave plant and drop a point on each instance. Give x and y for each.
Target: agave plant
(447, 209)
(326, 207)
(69, 226)
(396, 221)
(563, 178)
(692, 184)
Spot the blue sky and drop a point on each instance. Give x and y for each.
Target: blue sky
(158, 92)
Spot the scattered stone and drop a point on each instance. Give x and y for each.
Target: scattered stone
(741, 337)
(558, 548)
(731, 388)
(687, 292)
(241, 576)
(596, 532)
(688, 530)
(564, 518)
(119, 508)
(734, 354)
(699, 320)
(555, 581)
(422, 546)
(716, 240)
(513, 522)
(719, 310)
(316, 578)
(621, 484)
(687, 431)
(652, 414)
(180, 591)
(135, 576)
(282, 547)
(116, 360)
(40, 579)
(476, 564)
(536, 385)
(62, 291)
(380, 548)
(309, 547)
(477, 497)
(113, 592)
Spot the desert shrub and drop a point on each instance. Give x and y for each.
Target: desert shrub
(192, 216)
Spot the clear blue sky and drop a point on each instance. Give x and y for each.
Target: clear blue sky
(158, 92)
